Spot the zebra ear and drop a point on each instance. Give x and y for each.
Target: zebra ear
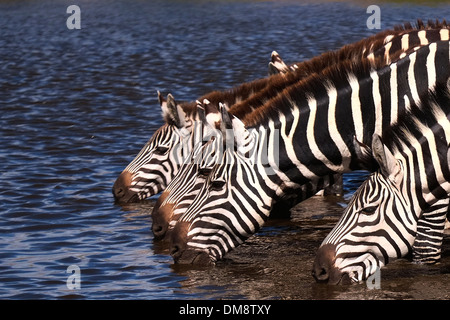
(226, 118)
(241, 136)
(277, 65)
(389, 166)
(212, 114)
(172, 113)
(201, 112)
(364, 155)
(161, 99)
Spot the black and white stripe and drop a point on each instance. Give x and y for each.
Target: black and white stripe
(386, 46)
(401, 206)
(314, 122)
(149, 172)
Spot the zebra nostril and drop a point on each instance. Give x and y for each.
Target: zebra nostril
(158, 231)
(119, 193)
(321, 274)
(323, 263)
(175, 251)
(179, 240)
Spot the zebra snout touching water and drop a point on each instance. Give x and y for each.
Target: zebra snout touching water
(161, 216)
(324, 269)
(182, 253)
(121, 188)
(402, 207)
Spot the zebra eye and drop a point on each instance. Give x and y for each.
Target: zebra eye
(161, 150)
(369, 210)
(204, 172)
(217, 185)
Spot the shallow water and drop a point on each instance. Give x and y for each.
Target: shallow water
(77, 105)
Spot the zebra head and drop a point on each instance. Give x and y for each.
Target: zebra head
(377, 225)
(161, 156)
(218, 219)
(381, 221)
(237, 196)
(192, 174)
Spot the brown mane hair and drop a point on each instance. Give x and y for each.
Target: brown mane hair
(249, 96)
(352, 52)
(335, 75)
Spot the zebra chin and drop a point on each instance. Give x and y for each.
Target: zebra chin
(324, 270)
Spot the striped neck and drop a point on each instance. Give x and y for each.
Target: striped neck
(317, 118)
(420, 141)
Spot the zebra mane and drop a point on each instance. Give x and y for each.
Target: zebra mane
(351, 52)
(276, 83)
(420, 25)
(336, 75)
(261, 90)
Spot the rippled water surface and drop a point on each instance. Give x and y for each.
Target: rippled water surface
(77, 105)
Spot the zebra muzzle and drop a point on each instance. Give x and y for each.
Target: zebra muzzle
(324, 269)
(181, 252)
(121, 189)
(161, 216)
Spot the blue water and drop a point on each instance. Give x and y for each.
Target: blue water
(77, 105)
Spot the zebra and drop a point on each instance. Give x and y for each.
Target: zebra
(353, 98)
(154, 166)
(196, 169)
(161, 157)
(382, 220)
(391, 47)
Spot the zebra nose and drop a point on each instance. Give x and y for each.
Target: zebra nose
(161, 216)
(323, 267)
(179, 240)
(121, 187)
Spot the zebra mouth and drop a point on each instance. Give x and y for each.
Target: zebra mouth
(134, 198)
(195, 257)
